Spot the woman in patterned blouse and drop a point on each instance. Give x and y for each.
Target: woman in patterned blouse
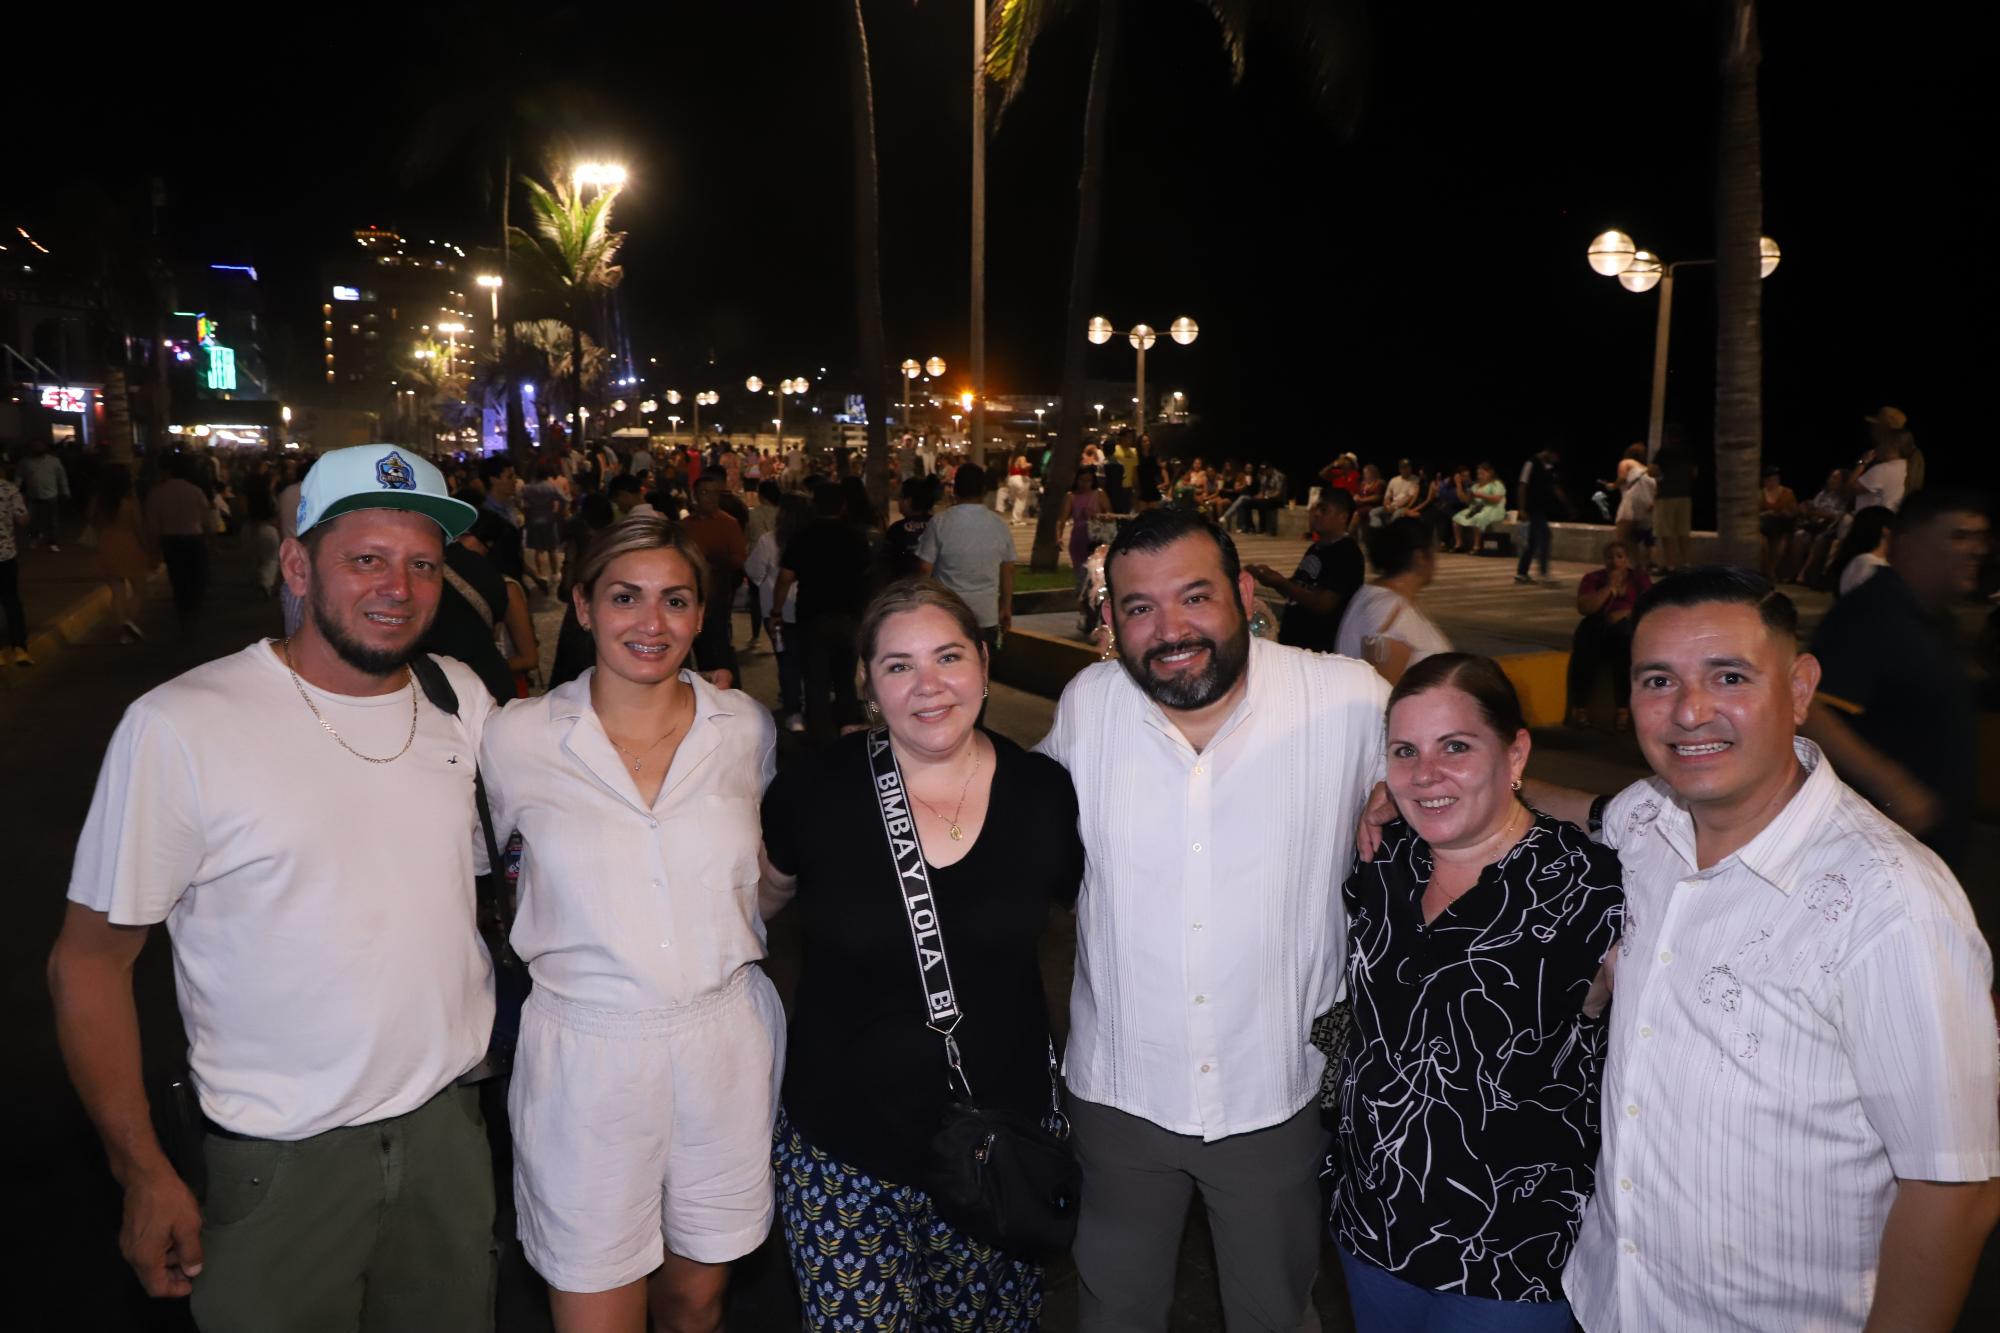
(1468, 1127)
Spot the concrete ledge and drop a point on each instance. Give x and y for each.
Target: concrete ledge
(1044, 600)
(1040, 663)
(1585, 541)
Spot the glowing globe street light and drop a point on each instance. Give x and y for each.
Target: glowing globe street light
(706, 398)
(911, 368)
(1613, 254)
(1142, 337)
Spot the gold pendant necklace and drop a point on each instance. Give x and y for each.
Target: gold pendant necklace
(957, 833)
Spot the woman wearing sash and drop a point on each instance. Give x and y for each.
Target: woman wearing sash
(646, 1079)
(866, 1076)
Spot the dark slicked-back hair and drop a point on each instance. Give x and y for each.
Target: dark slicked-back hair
(1157, 529)
(1702, 584)
(1478, 677)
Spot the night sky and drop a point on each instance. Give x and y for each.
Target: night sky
(1413, 287)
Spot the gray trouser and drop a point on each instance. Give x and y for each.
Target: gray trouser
(1261, 1190)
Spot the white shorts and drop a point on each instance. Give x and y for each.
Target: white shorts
(646, 1131)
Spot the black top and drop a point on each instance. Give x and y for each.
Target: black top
(461, 632)
(1336, 566)
(1467, 1142)
(831, 558)
(899, 547)
(1539, 495)
(1892, 674)
(865, 1080)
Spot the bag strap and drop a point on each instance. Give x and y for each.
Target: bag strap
(913, 886)
(438, 689)
(480, 606)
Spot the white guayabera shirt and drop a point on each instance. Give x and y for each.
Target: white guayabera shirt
(1210, 929)
(1793, 1029)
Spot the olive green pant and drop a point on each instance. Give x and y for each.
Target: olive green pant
(383, 1227)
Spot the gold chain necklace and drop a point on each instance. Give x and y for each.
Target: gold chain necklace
(639, 759)
(409, 740)
(957, 833)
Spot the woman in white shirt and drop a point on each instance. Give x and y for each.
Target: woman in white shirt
(1382, 625)
(1863, 551)
(645, 1084)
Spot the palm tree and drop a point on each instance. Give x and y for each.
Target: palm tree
(514, 107)
(1739, 333)
(1326, 36)
(568, 261)
(871, 336)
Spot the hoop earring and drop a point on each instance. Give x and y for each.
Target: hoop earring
(985, 691)
(1516, 784)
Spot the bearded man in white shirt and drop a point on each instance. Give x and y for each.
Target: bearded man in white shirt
(303, 822)
(1800, 1123)
(1217, 778)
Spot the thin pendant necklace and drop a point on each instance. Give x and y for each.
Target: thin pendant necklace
(285, 646)
(957, 833)
(639, 759)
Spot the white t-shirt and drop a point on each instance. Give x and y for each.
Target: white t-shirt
(1883, 485)
(1635, 499)
(762, 569)
(1376, 611)
(965, 546)
(1401, 492)
(321, 907)
(1859, 570)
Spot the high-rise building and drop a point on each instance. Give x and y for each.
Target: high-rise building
(390, 307)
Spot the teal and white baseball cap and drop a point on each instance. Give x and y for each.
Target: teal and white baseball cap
(379, 476)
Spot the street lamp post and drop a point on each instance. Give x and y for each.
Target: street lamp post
(493, 282)
(784, 390)
(912, 368)
(1612, 254)
(1142, 336)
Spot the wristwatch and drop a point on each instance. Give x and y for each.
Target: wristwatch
(1596, 825)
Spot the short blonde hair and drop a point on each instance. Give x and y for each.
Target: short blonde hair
(641, 532)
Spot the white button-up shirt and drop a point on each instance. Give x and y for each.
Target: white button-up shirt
(626, 905)
(1210, 930)
(1793, 1029)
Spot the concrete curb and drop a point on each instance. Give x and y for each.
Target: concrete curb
(75, 622)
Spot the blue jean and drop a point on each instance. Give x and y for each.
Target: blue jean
(1536, 547)
(1384, 1303)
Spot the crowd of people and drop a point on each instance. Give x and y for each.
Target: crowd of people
(1557, 1004)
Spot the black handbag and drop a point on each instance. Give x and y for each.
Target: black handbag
(1006, 1179)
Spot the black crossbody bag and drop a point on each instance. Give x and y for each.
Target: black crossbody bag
(1006, 1179)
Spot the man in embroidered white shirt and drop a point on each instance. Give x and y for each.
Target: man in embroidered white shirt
(1218, 778)
(1800, 1100)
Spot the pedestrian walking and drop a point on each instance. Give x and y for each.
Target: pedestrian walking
(45, 484)
(645, 1083)
(13, 521)
(1540, 494)
(301, 819)
(179, 520)
(910, 834)
(1209, 929)
(125, 559)
(830, 563)
(970, 549)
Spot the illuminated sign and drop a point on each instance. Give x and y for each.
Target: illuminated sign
(56, 398)
(346, 294)
(221, 372)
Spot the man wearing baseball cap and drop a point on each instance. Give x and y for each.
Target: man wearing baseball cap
(302, 819)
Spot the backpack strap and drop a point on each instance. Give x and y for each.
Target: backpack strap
(438, 689)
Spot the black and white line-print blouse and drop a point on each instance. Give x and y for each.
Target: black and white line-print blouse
(1467, 1142)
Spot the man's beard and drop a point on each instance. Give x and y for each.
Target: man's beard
(369, 661)
(1186, 691)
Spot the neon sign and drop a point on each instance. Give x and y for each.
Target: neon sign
(57, 398)
(221, 372)
(347, 294)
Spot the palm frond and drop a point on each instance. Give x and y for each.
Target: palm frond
(1012, 29)
(1232, 19)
